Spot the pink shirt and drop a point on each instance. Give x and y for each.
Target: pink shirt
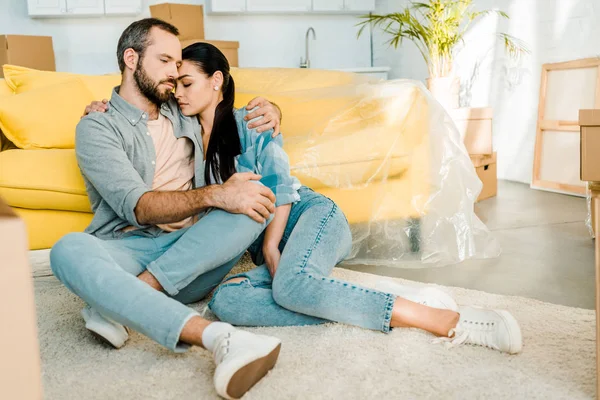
(174, 168)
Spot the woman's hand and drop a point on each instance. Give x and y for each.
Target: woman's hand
(96, 106)
(272, 256)
(270, 113)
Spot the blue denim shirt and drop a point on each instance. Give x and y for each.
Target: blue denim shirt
(264, 155)
(116, 156)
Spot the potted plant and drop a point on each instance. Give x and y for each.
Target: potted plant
(436, 27)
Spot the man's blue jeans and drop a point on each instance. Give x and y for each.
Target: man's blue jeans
(188, 263)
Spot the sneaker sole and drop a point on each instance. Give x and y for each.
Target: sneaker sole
(515, 332)
(98, 336)
(246, 377)
(103, 340)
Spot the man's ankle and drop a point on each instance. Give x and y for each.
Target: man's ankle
(148, 278)
(193, 330)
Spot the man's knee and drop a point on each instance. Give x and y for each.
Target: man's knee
(256, 227)
(239, 222)
(66, 249)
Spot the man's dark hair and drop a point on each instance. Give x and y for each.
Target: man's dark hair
(136, 36)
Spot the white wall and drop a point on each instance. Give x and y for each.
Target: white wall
(88, 45)
(555, 30)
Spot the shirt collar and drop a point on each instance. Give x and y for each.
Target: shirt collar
(133, 114)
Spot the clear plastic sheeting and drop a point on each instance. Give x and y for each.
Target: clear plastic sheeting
(588, 218)
(390, 156)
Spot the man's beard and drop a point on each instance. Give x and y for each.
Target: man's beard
(149, 89)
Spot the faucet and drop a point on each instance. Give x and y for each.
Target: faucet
(306, 62)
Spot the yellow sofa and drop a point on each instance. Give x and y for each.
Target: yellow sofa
(369, 158)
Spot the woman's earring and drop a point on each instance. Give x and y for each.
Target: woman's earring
(216, 88)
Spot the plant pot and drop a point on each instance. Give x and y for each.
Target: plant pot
(445, 90)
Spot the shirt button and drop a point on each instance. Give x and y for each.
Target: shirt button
(143, 115)
(153, 162)
(148, 133)
(133, 120)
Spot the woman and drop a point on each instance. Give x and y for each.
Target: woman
(307, 236)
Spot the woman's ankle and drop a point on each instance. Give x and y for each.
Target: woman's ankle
(407, 314)
(448, 321)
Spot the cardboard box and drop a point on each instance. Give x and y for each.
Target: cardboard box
(589, 123)
(188, 18)
(475, 128)
(485, 166)
(20, 376)
(229, 48)
(27, 51)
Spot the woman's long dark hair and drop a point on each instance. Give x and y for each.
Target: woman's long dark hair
(224, 143)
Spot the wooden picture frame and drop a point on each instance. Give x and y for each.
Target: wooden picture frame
(560, 126)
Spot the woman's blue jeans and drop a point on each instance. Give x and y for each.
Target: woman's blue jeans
(316, 238)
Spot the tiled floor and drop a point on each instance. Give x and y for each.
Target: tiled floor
(547, 251)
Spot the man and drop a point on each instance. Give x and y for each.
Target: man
(152, 244)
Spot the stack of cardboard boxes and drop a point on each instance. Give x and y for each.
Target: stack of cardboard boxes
(475, 127)
(27, 51)
(37, 51)
(189, 19)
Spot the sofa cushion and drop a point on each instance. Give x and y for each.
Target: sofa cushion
(42, 179)
(344, 163)
(51, 180)
(282, 80)
(340, 109)
(263, 80)
(21, 80)
(46, 227)
(356, 174)
(304, 113)
(344, 136)
(101, 86)
(5, 90)
(44, 117)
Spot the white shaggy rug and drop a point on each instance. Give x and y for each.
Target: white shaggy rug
(332, 361)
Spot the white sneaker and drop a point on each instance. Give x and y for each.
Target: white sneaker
(243, 358)
(426, 295)
(494, 329)
(103, 329)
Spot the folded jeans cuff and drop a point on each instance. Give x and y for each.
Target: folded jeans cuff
(173, 341)
(160, 276)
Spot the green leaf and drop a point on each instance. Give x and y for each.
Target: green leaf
(436, 27)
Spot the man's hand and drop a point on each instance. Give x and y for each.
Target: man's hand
(242, 194)
(272, 256)
(271, 116)
(96, 106)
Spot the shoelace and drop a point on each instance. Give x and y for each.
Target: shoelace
(223, 347)
(470, 332)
